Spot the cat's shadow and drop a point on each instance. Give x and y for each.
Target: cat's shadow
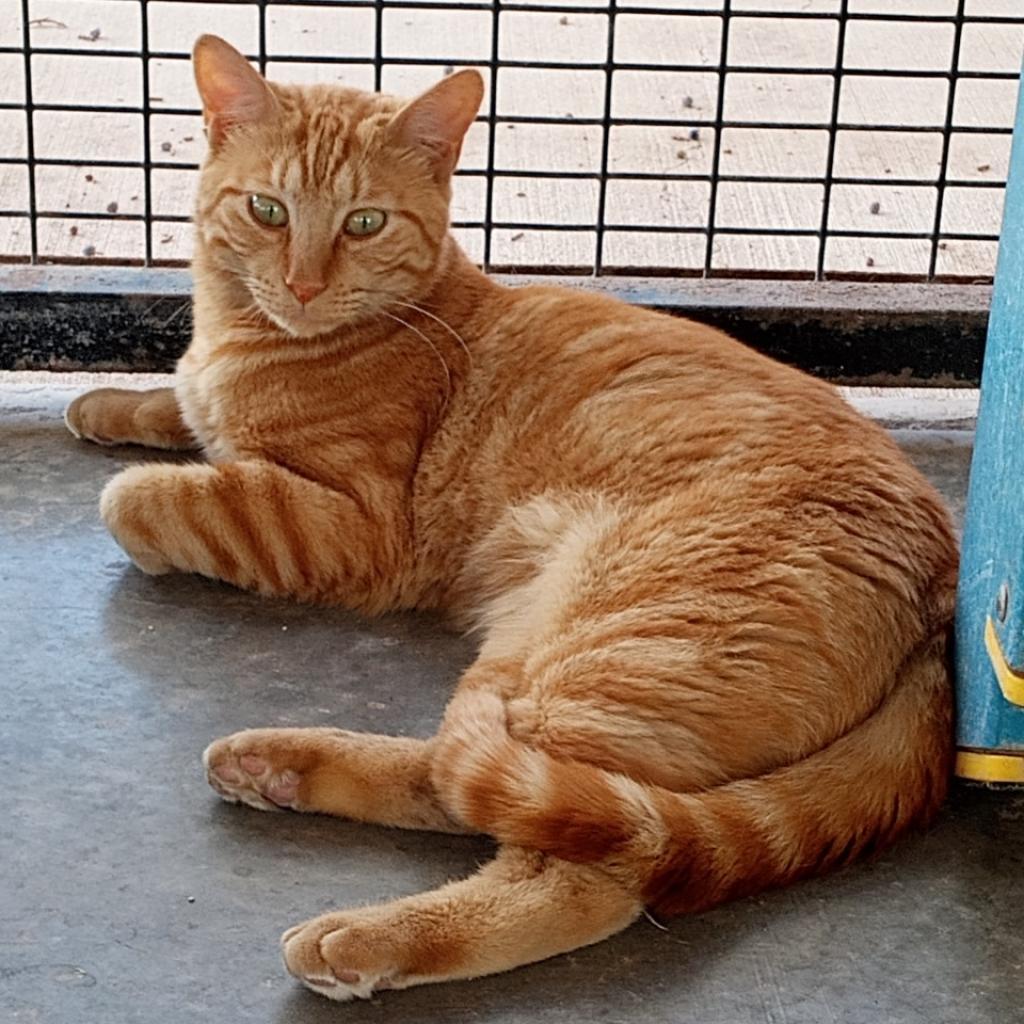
(256, 661)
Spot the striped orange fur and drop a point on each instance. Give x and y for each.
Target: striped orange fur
(713, 601)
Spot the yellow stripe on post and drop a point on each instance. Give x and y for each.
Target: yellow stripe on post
(1010, 682)
(979, 767)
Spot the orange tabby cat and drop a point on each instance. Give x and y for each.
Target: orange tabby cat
(714, 601)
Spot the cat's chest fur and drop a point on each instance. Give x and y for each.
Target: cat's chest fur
(209, 399)
(237, 406)
(310, 409)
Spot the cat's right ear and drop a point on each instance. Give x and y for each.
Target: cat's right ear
(232, 91)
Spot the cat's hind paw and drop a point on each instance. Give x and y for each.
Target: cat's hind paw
(240, 771)
(346, 955)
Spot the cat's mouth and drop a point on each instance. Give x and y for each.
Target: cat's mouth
(324, 314)
(303, 322)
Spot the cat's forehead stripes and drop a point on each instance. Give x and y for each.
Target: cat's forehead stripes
(329, 131)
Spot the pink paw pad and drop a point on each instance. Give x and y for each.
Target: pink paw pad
(284, 789)
(226, 773)
(252, 764)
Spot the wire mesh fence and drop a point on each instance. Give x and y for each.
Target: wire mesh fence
(777, 138)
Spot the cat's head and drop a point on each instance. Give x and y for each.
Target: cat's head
(326, 204)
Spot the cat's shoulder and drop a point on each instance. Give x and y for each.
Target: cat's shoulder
(579, 317)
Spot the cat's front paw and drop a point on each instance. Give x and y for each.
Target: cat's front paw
(126, 506)
(102, 416)
(262, 768)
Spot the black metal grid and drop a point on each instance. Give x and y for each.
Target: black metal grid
(843, 15)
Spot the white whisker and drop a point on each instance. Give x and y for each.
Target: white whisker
(447, 326)
(185, 307)
(434, 348)
(252, 307)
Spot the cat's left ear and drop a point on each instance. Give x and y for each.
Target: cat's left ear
(438, 120)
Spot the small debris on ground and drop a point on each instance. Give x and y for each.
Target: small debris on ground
(90, 250)
(687, 102)
(943, 245)
(681, 154)
(190, 899)
(134, 199)
(188, 138)
(870, 261)
(564, 19)
(520, 195)
(89, 177)
(875, 208)
(984, 167)
(73, 230)
(449, 69)
(165, 147)
(111, 207)
(694, 134)
(517, 236)
(166, 238)
(92, 36)
(46, 23)
(728, 152)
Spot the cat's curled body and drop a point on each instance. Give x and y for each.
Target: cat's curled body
(714, 601)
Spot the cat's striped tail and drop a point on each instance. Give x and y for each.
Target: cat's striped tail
(690, 851)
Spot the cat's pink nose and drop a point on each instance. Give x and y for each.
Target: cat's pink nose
(306, 291)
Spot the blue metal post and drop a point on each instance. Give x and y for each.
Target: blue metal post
(990, 608)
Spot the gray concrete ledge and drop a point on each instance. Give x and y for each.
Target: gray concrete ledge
(110, 318)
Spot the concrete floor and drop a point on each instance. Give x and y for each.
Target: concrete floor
(130, 893)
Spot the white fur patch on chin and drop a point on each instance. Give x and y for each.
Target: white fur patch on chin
(297, 327)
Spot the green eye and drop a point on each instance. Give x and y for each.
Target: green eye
(365, 222)
(268, 211)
